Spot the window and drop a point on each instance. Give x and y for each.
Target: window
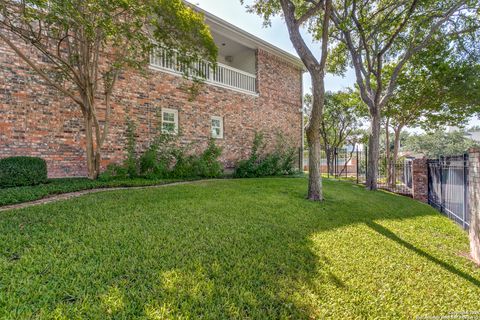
(169, 121)
(217, 127)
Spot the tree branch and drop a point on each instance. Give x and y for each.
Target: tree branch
(414, 49)
(310, 12)
(40, 71)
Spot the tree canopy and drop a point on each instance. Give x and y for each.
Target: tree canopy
(372, 36)
(436, 88)
(439, 143)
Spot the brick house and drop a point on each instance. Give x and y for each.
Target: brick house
(256, 87)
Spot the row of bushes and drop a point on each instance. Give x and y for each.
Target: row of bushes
(163, 159)
(262, 163)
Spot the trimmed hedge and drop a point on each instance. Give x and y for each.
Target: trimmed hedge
(22, 171)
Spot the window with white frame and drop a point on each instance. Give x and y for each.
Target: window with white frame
(169, 121)
(217, 127)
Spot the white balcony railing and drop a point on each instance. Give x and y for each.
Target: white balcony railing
(221, 75)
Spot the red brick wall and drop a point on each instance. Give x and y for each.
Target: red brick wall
(420, 180)
(36, 120)
(474, 202)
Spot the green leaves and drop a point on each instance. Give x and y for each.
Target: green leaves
(123, 32)
(342, 117)
(179, 27)
(437, 87)
(439, 143)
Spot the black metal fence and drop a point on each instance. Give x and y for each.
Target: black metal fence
(351, 163)
(399, 180)
(447, 178)
(448, 187)
(394, 177)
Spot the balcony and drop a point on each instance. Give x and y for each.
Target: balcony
(220, 75)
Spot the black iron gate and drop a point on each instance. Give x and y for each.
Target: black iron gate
(448, 187)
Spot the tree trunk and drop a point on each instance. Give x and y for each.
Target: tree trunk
(313, 139)
(387, 152)
(373, 151)
(314, 163)
(396, 149)
(328, 152)
(93, 152)
(317, 72)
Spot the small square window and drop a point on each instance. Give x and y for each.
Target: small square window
(169, 121)
(169, 116)
(217, 127)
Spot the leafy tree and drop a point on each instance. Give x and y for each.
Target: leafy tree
(436, 88)
(85, 46)
(387, 34)
(341, 120)
(439, 143)
(315, 14)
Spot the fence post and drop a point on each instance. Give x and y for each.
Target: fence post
(441, 163)
(357, 165)
(366, 163)
(420, 180)
(474, 202)
(465, 190)
(335, 152)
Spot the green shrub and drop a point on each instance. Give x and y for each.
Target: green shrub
(22, 171)
(270, 165)
(153, 166)
(260, 164)
(114, 171)
(184, 165)
(248, 168)
(164, 159)
(208, 165)
(205, 165)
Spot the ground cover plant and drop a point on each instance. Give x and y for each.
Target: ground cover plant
(234, 249)
(58, 186)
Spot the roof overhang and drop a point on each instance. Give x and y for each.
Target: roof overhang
(231, 31)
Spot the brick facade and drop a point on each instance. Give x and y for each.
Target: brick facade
(36, 120)
(420, 180)
(474, 202)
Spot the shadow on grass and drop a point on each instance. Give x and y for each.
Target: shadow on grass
(233, 249)
(392, 236)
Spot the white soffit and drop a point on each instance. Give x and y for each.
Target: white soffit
(230, 31)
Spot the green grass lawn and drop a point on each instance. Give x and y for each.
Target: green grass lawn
(234, 249)
(58, 186)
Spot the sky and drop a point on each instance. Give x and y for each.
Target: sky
(277, 34)
(236, 14)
